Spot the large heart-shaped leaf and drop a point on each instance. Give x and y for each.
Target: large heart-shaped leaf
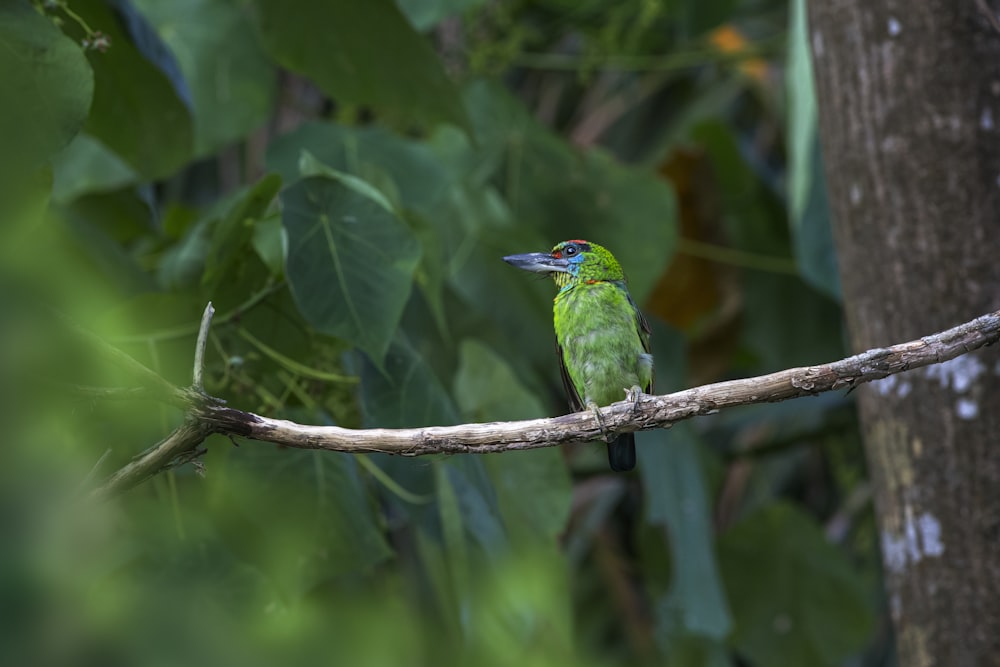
(350, 261)
(363, 53)
(405, 168)
(47, 87)
(142, 106)
(404, 392)
(232, 81)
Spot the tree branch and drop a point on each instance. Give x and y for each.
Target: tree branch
(184, 439)
(207, 415)
(197, 377)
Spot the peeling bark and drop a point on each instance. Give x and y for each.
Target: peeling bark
(909, 106)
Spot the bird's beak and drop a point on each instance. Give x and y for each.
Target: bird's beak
(538, 262)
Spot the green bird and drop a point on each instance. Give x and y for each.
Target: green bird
(601, 337)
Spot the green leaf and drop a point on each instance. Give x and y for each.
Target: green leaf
(809, 212)
(102, 225)
(478, 503)
(435, 568)
(183, 263)
(405, 393)
(534, 494)
(416, 177)
(753, 215)
(233, 83)
(315, 500)
(393, 164)
(795, 597)
(814, 245)
(677, 500)
(87, 166)
(211, 249)
(287, 336)
(453, 534)
(141, 107)
(350, 261)
(24, 206)
(487, 390)
(523, 615)
(47, 84)
(532, 487)
(271, 243)
(612, 201)
(310, 166)
(361, 53)
(792, 324)
(566, 193)
(233, 233)
(517, 307)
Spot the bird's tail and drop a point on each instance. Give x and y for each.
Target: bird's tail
(621, 452)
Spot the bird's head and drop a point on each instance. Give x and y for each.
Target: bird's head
(571, 262)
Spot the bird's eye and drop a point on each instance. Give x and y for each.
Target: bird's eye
(570, 250)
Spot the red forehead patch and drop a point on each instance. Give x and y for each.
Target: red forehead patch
(581, 241)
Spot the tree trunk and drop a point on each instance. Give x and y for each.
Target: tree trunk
(909, 107)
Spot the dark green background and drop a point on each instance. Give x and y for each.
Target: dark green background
(341, 180)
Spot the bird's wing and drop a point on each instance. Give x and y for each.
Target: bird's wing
(645, 331)
(575, 404)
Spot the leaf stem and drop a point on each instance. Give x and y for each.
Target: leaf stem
(391, 484)
(640, 63)
(734, 257)
(292, 365)
(64, 7)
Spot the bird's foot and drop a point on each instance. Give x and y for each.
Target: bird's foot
(634, 395)
(593, 407)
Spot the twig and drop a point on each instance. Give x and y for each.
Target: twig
(88, 479)
(185, 438)
(207, 416)
(644, 63)
(198, 376)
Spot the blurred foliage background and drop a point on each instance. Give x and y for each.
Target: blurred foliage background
(341, 179)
